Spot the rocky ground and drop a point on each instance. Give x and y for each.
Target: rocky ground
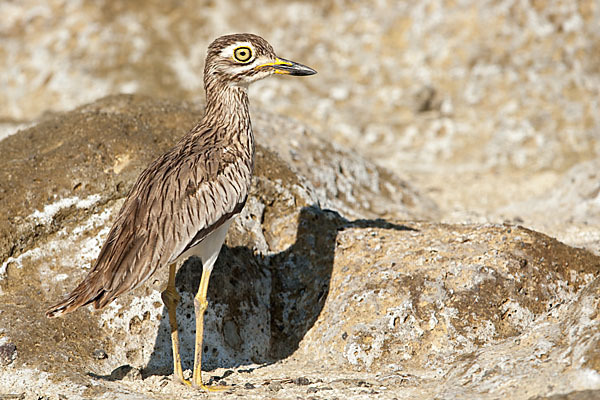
(462, 262)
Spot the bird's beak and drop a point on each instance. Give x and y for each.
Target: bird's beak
(286, 67)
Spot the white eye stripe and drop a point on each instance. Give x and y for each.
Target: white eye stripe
(227, 52)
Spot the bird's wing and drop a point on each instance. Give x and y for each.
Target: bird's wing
(179, 199)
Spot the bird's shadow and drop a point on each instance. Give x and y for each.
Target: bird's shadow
(260, 307)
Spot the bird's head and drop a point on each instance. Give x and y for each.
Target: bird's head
(241, 59)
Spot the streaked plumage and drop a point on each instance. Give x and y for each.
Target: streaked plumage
(183, 203)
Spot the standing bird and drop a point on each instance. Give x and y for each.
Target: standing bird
(184, 202)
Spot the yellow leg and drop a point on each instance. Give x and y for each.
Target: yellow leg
(200, 305)
(171, 298)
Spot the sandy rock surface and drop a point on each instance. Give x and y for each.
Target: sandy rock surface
(381, 254)
(276, 266)
(304, 301)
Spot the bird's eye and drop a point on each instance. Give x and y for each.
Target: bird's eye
(242, 54)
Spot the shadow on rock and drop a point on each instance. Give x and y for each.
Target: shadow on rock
(124, 372)
(260, 307)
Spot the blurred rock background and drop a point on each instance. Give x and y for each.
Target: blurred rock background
(487, 111)
(482, 104)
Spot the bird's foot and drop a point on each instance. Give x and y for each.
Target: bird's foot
(201, 386)
(182, 380)
(211, 388)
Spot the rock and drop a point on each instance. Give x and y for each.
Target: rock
(427, 86)
(11, 396)
(302, 381)
(343, 180)
(481, 106)
(106, 165)
(582, 395)
(52, 231)
(574, 204)
(348, 301)
(100, 354)
(127, 373)
(490, 110)
(8, 353)
(462, 302)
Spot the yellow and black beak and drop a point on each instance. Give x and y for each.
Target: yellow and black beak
(286, 67)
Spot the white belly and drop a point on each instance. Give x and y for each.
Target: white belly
(208, 249)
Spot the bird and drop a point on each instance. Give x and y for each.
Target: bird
(183, 203)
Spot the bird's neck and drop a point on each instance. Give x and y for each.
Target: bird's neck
(228, 117)
(227, 111)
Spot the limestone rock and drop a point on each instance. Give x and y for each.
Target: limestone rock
(461, 306)
(478, 95)
(46, 181)
(569, 210)
(273, 274)
(343, 180)
(490, 108)
(304, 301)
(8, 353)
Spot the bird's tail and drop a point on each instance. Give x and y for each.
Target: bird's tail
(88, 291)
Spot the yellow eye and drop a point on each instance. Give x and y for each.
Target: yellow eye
(242, 54)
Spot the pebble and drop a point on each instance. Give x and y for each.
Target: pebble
(8, 353)
(302, 381)
(11, 396)
(100, 354)
(275, 386)
(127, 373)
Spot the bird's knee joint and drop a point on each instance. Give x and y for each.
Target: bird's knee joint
(170, 297)
(200, 305)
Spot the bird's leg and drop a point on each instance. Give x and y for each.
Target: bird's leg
(171, 298)
(200, 305)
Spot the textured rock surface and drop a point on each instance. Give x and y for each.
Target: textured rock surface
(483, 103)
(570, 210)
(461, 306)
(304, 302)
(274, 274)
(488, 107)
(118, 136)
